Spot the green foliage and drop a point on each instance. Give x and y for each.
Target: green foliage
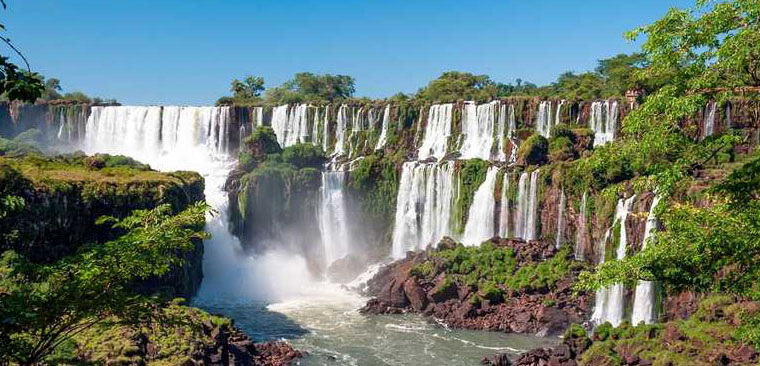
(303, 156)
(45, 305)
(308, 87)
(454, 85)
(374, 180)
(533, 151)
(562, 130)
(472, 173)
(493, 270)
(560, 149)
(16, 84)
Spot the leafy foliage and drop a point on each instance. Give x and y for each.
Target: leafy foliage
(533, 151)
(45, 305)
(308, 87)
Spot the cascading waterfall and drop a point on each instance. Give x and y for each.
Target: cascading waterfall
(511, 134)
(527, 206)
(504, 208)
(340, 131)
(423, 206)
(501, 133)
(582, 230)
(609, 301)
(710, 109)
(384, 129)
(258, 116)
(544, 118)
(560, 218)
(437, 132)
(478, 129)
(326, 129)
(558, 115)
(480, 219)
(291, 124)
(603, 120)
(644, 306)
(333, 218)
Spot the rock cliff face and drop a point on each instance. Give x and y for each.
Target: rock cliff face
(64, 196)
(532, 301)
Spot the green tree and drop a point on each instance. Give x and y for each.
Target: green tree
(15, 83)
(703, 248)
(43, 306)
(455, 85)
(308, 87)
(251, 87)
(52, 87)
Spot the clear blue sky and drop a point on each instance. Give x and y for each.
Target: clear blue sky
(187, 51)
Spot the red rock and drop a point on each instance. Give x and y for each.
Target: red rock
(415, 294)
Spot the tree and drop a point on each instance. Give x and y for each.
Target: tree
(308, 87)
(249, 88)
(17, 84)
(42, 306)
(701, 54)
(455, 85)
(52, 89)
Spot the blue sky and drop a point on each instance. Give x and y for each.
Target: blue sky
(187, 51)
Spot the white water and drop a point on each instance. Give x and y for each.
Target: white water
(423, 206)
(527, 206)
(582, 230)
(384, 129)
(709, 119)
(644, 306)
(273, 295)
(291, 124)
(504, 208)
(609, 301)
(480, 219)
(558, 118)
(478, 128)
(544, 118)
(437, 132)
(603, 120)
(333, 218)
(340, 131)
(560, 219)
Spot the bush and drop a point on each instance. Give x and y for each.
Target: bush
(303, 156)
(562, 130)
(533, 151)
(560, 149)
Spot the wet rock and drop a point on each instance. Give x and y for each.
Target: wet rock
(415, 294)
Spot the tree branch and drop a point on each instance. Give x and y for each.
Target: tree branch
(8, 42)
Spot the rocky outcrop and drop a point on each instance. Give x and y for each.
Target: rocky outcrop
(64, 196)
(183, 336)
(546, 310)
(707, 337)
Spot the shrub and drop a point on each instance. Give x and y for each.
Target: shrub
(303, 156)
(562, 130)
(560, 149)
(533, 151)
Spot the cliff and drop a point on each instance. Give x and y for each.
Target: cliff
(63, 196)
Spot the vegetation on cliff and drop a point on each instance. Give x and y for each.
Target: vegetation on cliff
(45, 305)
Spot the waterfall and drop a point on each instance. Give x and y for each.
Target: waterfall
(560, 218)
(146, 132)
(504, 208)
(527, 206)
(644, 306)
(333, 218)
(326, 129)
(478, 129)
(544, 119)
(558, 116)
(501, 133)
(709, 119)
(291, 124)
(423, 206)
(437, 132)
(384, 132)
(480, 220)
(340, 131)
(258, 116)
(609, 301)
(603, 120)
(582, 230)
(315, 128)
(511, 134)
